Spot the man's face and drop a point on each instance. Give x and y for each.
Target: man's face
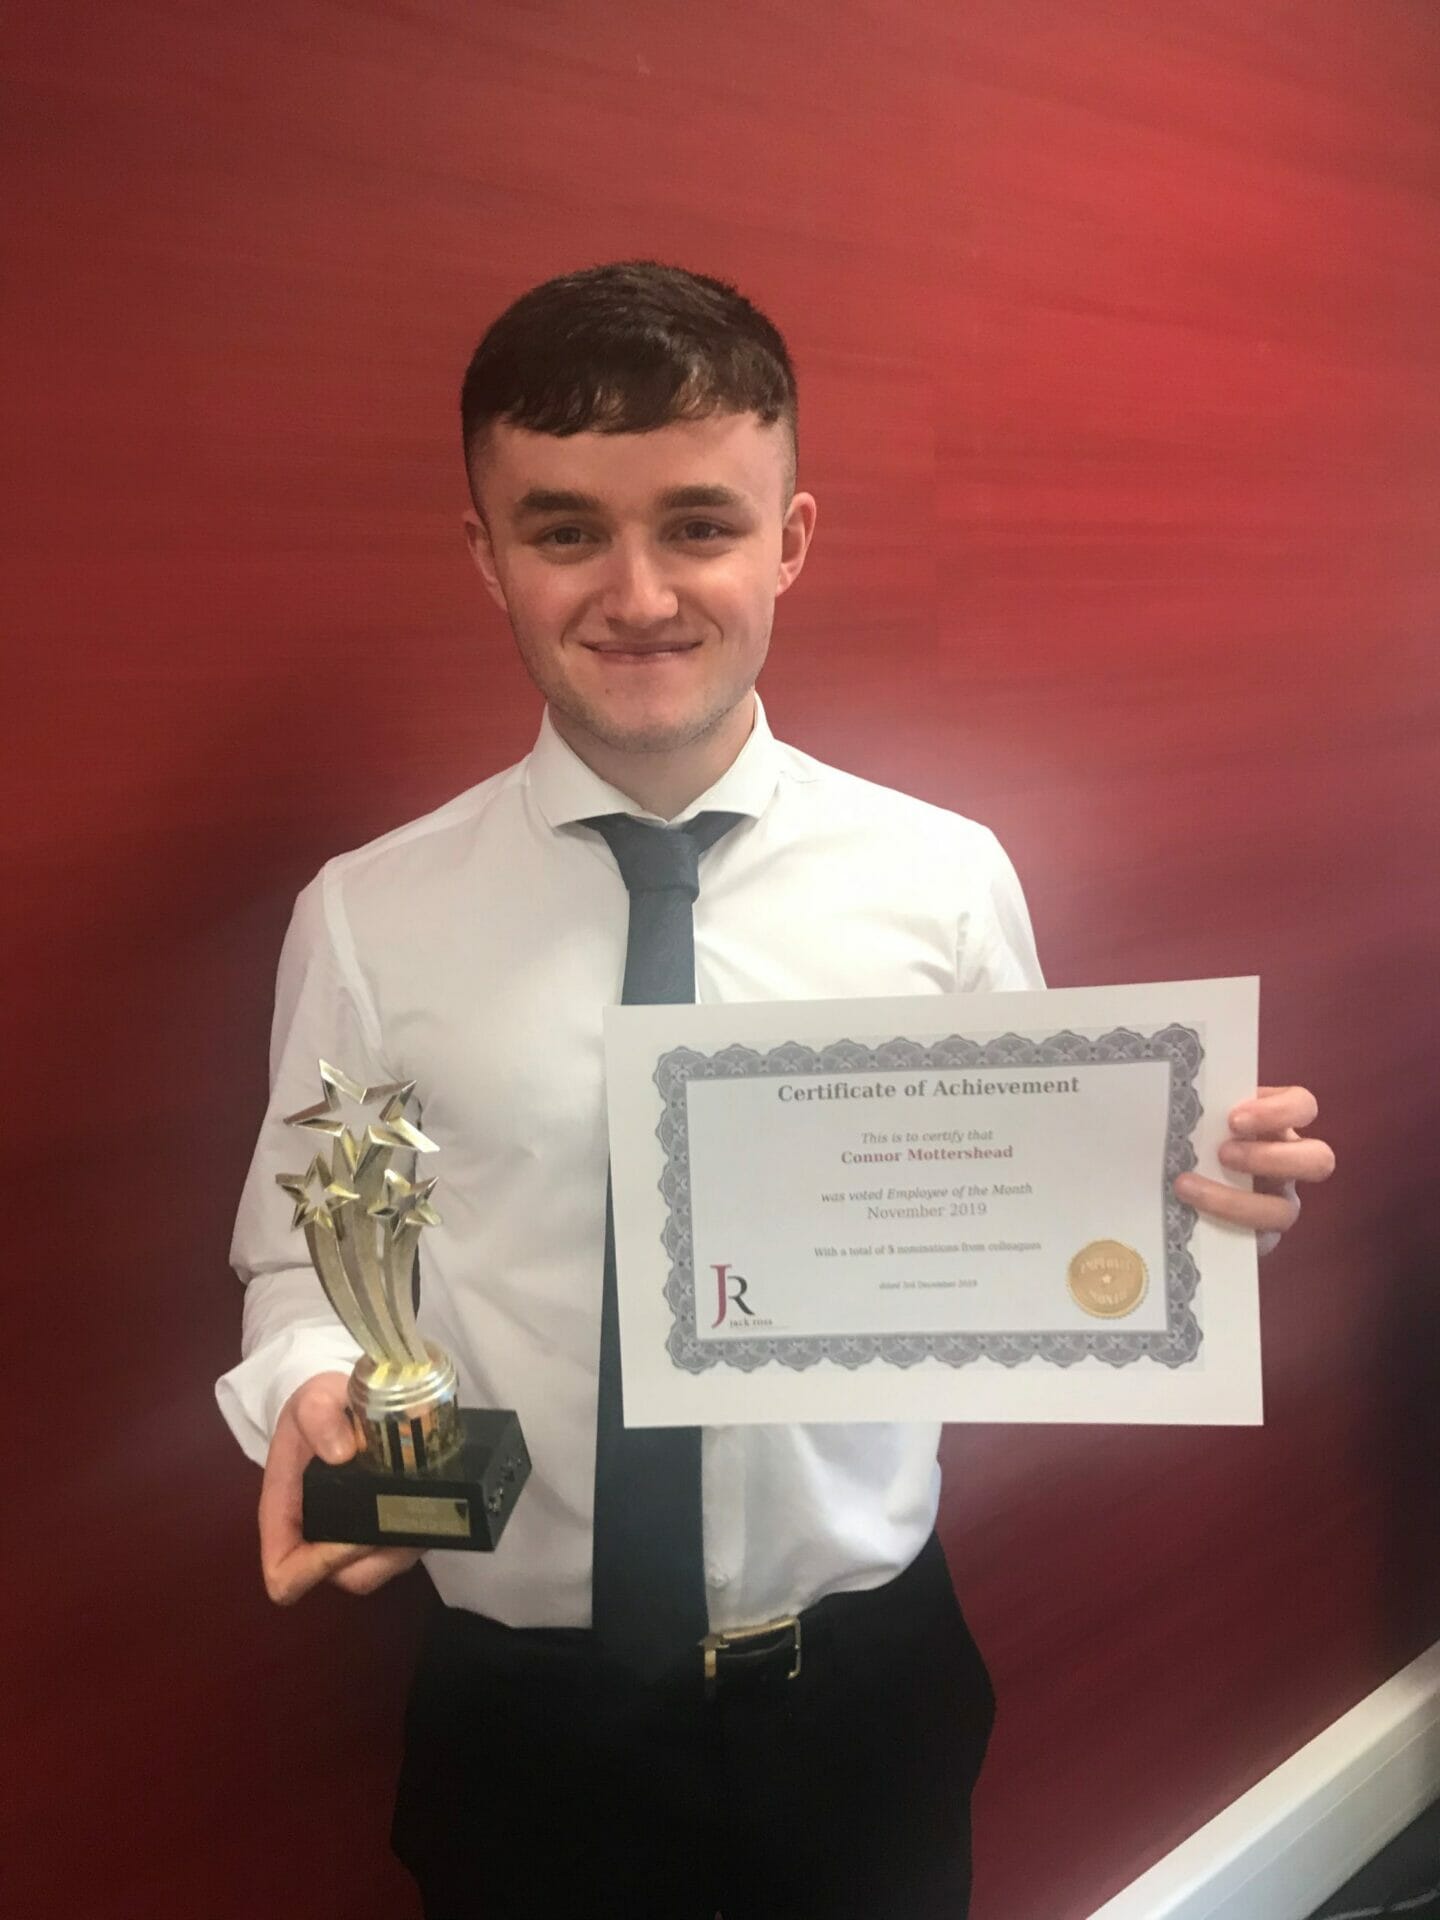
(639, 571)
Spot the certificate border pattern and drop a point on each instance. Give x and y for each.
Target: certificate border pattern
(1176, 1345)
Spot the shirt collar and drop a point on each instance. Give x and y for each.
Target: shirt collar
(566, 790)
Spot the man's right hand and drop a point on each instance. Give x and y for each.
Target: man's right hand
(313, 1421)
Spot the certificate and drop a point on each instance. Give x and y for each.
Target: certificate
(947, 1208)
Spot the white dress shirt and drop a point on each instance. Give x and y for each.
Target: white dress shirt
(472, 951)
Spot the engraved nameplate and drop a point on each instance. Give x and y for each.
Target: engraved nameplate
(422, 1513)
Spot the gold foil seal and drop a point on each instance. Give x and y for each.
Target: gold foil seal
(1107, 1279)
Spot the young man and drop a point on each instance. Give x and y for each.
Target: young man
(630, 441)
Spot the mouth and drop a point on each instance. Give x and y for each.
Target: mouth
(637, 655)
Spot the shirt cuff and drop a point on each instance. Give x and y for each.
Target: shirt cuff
(252, 1395)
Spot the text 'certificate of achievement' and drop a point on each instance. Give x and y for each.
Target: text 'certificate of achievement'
(955, 1208)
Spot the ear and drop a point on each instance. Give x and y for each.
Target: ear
(482, 552)
(795, 536)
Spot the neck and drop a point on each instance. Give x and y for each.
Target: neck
(664, 782)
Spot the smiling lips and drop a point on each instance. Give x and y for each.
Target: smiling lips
(664, 650)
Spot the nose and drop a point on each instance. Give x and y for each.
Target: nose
(636, 593)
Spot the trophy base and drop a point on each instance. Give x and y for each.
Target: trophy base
(463, 1505)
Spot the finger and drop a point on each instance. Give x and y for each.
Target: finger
(1262, 1212)
(323, 1420)
(290, 1564)
(307, 1566)
(1278, 1159)
(377, 1566)
(1270, 1110)
(280, 1497)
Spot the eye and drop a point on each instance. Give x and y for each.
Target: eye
(706, 527)
(553, 536)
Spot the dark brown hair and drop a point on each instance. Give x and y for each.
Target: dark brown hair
(626, 348)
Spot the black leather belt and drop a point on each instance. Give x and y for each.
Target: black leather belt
(749, 1656)
(838, 1626)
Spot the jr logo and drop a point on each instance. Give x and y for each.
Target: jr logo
(730, 1289)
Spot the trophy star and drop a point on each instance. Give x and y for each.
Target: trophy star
(410, 1135)
(388, 1129)
(316, 1194)
(398, 1092)
(420, 1209)
(404, 1201)
(321, 1118)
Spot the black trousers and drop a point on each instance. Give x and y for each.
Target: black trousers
(538, 1780)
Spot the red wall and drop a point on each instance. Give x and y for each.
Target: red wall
(1115, 325)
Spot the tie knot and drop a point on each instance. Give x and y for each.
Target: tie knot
(656, 859)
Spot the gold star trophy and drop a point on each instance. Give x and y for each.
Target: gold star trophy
(426, 1472)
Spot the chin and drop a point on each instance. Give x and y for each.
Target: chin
(642, 733)
(658, 736)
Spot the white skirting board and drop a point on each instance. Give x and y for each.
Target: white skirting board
(1283, 1848)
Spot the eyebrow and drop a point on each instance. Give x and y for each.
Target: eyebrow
(542, 500)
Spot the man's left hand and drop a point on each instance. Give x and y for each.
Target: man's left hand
(1265, 1141)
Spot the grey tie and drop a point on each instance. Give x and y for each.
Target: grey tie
(648, 1604)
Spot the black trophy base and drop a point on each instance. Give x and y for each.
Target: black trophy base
(463, 1504)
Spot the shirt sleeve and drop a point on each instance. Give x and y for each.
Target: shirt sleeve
(290, 1331)
(996, 941)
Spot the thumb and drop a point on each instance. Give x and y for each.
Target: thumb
(322, 1414)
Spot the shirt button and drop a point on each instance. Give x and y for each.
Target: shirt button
(715, 1578)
